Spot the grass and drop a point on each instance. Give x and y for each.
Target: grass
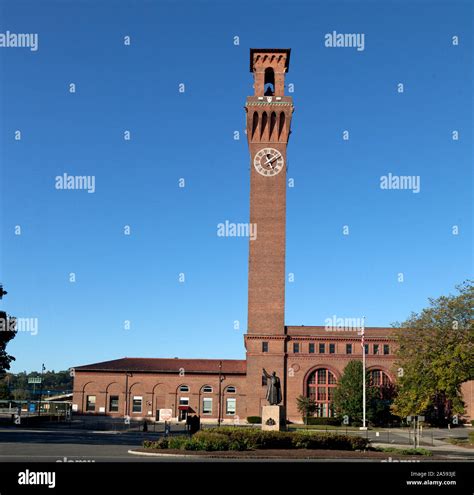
(463, 442)
(411, 451)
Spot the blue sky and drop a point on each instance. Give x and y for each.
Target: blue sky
(190, 135)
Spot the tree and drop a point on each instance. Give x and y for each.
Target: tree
(4, 390)
(348, 396)
(6, 334)
(306, 407)
(435, 356)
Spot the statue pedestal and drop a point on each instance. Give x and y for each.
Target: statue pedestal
(273, 418)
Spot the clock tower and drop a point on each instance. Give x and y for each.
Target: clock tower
(269, 114)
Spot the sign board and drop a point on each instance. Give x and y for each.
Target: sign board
(32, 408)
(35, 379)
(166, 414)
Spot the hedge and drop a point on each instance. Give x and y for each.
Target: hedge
(231, 438)
(254, 420)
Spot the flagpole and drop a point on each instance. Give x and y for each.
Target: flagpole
(363, 427)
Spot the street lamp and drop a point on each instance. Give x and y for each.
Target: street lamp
(41, 389)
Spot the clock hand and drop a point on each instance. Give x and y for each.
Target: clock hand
(269, 160)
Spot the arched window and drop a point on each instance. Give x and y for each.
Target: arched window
(281, 125)
(381, 380)
(263, 124)
(378, 378)
(269, 82)
(207, 389)
(320, 387)
(184, 388)
(273, 121)
(231, 389)
(254, 123)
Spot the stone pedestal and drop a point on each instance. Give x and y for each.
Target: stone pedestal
(273, 418)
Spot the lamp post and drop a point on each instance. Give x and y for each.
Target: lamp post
(363, 427)
(220, 392)
(41, 389)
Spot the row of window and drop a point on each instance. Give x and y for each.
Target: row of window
(324, 348)
(207, 389)
(230, 406)
(137, 404)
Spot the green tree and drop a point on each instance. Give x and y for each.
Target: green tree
(435, 356)
(306, 407)
(6, 334)
(4, 390)
(348, 396)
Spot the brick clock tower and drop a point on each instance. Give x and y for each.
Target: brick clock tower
(269, 114)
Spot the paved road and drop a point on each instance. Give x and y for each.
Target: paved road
(59, 445)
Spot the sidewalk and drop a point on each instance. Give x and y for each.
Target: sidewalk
(442, 448)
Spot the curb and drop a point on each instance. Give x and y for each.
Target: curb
(156, 454)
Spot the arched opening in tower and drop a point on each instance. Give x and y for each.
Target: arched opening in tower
(269, 82)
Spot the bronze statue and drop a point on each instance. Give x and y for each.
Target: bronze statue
(273, 388)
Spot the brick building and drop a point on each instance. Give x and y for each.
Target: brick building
(309, 360)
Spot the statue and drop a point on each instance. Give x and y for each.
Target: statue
(273, 388)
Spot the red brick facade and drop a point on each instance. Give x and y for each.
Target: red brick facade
(308, 360)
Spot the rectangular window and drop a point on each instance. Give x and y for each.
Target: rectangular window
(332, 348)
(207, 405)
(321, 376)
(311, 348)
(322, 348)
(264, 346)
(114, 403)
(376, 348)
(366, 348)
(321, 393)
(296, 348)
(230, 406)
(184, 401)
(386, 349)
(90, 403)
(348, 348)
(137, 404)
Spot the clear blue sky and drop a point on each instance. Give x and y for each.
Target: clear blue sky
(190, 135)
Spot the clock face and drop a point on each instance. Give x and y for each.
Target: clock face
(268, 162)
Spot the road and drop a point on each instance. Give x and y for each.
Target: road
(63, 445)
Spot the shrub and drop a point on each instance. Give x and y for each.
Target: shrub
(209, 441)
(252, 438)
(254, 420)
(329, 441)
(324, 421)
(231, 438)
(178, 442)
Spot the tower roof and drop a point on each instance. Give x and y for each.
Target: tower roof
(270, 50)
